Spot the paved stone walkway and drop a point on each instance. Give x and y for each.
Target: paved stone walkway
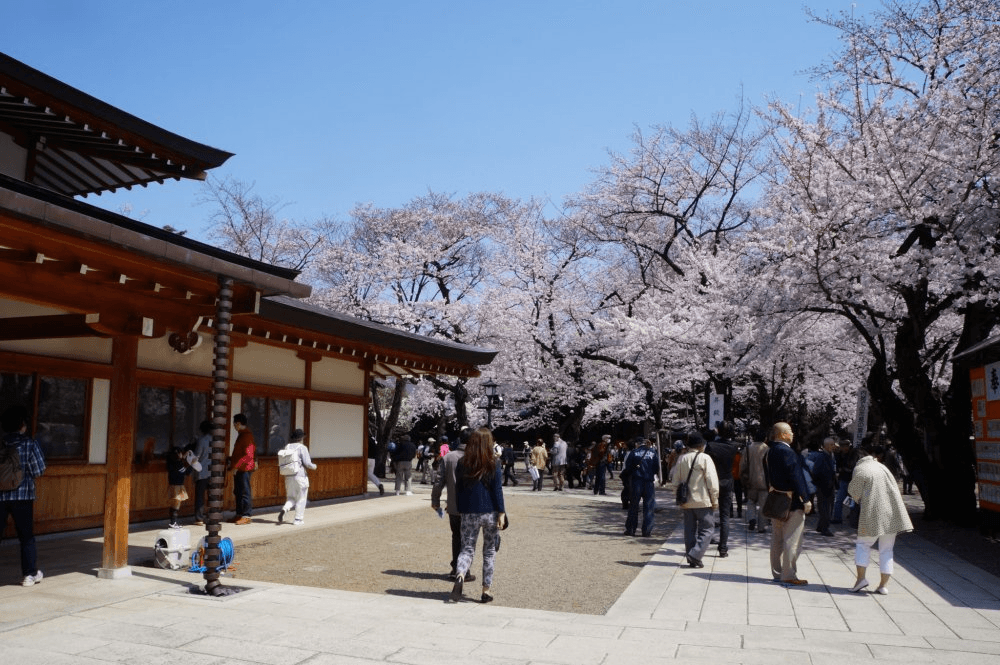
(940, 610)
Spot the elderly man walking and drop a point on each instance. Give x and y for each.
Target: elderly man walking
(783, 468)
(558, 458)
(698, 471)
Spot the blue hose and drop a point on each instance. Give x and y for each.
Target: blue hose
(225, 554)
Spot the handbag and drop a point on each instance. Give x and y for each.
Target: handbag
(684, 488)
(777, 505)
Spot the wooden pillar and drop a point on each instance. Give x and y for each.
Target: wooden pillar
(220, 445)
(121, 447)
(368, 366)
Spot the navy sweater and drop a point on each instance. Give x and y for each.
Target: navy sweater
(783, 470)
(479, 496)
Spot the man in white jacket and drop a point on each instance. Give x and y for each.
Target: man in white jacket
(293, 460)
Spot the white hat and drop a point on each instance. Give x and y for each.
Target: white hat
(431, 439)
(606, 437)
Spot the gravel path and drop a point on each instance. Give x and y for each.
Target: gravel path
(557, 545)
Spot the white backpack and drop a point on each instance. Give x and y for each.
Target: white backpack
(289, 461)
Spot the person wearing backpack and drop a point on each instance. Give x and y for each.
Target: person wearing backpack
(18, 500)
(293, 460)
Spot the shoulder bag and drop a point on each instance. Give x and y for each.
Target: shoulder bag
(777, 505)
(684, 488)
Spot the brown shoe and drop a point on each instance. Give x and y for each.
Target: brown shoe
(795, 582)
(243, 520)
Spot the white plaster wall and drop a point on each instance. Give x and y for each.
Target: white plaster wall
(338, 376)
(259, 363)
(157, 354)
(336, 430)
(94, 349)
(300, 413)
(100, 407)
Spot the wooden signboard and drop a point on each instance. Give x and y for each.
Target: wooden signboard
(986, 429)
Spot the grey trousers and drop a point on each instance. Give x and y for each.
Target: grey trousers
(786, 543)
(699, 525)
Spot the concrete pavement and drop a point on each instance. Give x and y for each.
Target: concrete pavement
(939, 610)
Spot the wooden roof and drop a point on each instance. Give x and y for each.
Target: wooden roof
(79, 145)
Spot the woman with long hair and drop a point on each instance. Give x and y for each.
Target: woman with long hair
(479, 489)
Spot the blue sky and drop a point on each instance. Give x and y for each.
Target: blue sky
(330, 103)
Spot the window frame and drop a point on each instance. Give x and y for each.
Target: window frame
(52, 371)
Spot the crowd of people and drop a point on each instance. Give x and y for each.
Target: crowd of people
(781, 485)
(778, 484)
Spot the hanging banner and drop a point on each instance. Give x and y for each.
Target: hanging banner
(992, 380)
(716, 409)
(861, 417)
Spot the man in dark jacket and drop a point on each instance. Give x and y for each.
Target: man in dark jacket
(509, 459)
(723, 451)
(641, 468)
(846, 457)
(783, 470)
(402, 463)
(824, 475)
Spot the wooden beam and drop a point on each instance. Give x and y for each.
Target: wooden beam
(57, 326)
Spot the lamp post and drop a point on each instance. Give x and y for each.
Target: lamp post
(494, 400)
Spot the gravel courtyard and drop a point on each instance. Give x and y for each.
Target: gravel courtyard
(557, 545)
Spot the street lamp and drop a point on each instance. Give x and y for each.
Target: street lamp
(494, 400)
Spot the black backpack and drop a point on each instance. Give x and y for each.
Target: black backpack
(11, 473)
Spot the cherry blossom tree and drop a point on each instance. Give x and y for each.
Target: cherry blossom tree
(418, 267)
(886, 216)
(248, 224)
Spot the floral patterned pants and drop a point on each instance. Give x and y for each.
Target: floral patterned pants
(471, 524)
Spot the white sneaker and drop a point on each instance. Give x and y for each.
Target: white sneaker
(409, 494)
(397, 492)
(882, 591)
(297, 523)
(32, 580)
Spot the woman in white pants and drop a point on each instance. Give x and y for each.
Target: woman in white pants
(293, 460)
(883, 515)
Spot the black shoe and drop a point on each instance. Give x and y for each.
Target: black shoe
(456, 591)
(752, 525)
(281, 516)
(714, 541)
(487, 597)
(381, 490)
(826, 533)
(629, 533)
(647, 535)
(469, 577)
(723, 555)
(694, 563)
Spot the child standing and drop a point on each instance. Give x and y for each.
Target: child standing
(177, 468)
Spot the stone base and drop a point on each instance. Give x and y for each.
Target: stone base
(114, 573)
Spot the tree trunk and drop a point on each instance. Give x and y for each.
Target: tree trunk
(385, 423)
(572, 423)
